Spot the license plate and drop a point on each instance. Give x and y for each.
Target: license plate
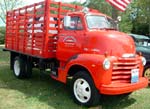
(134, 75)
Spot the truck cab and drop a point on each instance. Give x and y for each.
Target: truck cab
(90, 42)
(90, 33)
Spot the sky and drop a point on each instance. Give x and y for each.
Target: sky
(27, 2)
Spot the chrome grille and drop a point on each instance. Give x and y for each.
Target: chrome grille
(122, 69)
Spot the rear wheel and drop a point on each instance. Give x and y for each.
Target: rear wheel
(84, 90)
(21, 68)
(28, 68)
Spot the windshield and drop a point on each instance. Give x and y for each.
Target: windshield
(100, 22)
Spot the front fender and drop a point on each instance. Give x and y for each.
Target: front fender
(94, 64)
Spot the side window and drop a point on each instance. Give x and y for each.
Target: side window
(79, 24)
(76, 24)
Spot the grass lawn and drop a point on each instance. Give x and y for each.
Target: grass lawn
(42, 92)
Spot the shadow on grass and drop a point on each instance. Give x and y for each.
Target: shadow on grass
(39, 88)
(117, 101)
(53, 93)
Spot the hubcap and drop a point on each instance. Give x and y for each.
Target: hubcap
(147, 74)
(82, 90)
(17, 68)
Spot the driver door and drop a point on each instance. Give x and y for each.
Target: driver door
(71, 40)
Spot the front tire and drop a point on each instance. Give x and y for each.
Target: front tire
(84, 90)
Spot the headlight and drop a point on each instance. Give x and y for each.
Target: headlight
(143, 61)
(106, 64)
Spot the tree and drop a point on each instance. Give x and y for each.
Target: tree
(2, 35)
(125, 25)
(140, 24)
(102, 6)
(7, 5)
(141, 21)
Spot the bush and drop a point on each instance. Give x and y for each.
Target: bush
(141, 28)
(2, 35)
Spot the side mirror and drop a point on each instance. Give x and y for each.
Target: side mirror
(119, 18)
(67, 21)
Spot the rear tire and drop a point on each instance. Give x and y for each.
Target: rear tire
(84, 90)
(28, 69)
(22, 68)
(19, 67)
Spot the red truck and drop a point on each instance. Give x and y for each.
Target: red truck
(77, 42)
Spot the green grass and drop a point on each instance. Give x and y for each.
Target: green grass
(42, 92)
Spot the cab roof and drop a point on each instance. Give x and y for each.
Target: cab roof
(91, 12)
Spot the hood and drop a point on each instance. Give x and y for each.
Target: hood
(113, 42)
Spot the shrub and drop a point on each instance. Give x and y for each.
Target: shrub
(2, 35)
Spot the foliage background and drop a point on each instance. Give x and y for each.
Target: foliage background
(136, 19)
(2, 35)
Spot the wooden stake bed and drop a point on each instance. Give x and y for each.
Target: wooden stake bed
(33, 29)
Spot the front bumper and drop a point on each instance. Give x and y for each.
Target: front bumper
(121, 88)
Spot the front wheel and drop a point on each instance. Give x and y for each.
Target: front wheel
(84, 90)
